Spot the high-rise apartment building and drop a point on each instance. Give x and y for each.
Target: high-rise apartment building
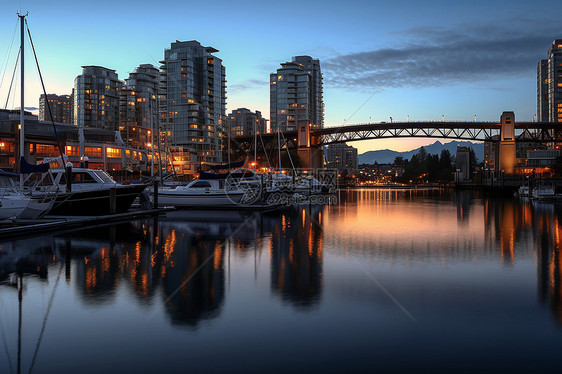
(243, 122)
(193, 102)
(296, 95)
(342, 157)
(96, 98)
(138, 107)
(542, 91)
(61, 108)
(549, 79)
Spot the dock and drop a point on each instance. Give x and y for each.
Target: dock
(23, 228)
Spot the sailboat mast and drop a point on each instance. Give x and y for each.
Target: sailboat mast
(279, 147)
(151, 136)
(22, 98)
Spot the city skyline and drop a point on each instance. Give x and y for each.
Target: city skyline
(379, 61)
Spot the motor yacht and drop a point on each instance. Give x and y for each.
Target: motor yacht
(90, 192)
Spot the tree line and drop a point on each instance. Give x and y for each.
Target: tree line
(424, 167)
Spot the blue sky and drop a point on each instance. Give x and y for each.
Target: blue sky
(380, 59)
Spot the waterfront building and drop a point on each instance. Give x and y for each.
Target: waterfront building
(96, 98)
(296, 97)
(243, 122)
(342, 157)
(542, 91)
(138, 107)
(104, 148)
(61, 108)
(549, 85)
(193, 104)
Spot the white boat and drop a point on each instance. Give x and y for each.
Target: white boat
(523, 191)
(543, 193)
(202, 193)
(15, 204)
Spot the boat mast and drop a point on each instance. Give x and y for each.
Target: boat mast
(279, 146)
(151, 136)
(22, 98)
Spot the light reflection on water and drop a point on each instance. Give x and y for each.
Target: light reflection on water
(312, 288)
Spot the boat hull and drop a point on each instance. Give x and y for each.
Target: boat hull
(96, 202)
(12, 206)
(199, 200)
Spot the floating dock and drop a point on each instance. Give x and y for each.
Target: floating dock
(23, 228)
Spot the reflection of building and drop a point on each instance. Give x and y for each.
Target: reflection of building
(549, 85)
(342, 157)
(549, 265)
(193, 103)
(296, 259)
(242, 122)
(463, 164)
(201, 297)
(296, 95)
(61, 106)
(96, 98)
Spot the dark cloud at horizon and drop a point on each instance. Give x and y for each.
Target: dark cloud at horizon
(439, 56)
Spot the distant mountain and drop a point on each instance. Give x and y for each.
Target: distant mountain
(387, 156)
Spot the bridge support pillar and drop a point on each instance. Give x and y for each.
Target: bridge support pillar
(507, 143)
(310, 154)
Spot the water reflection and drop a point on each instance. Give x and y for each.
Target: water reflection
(180, 262)
(296, 257)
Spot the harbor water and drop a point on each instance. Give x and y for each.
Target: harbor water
(384, 280)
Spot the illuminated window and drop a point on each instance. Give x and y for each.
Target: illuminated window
(113, 152)
(45, 150)
(71, 150)
(92, 151)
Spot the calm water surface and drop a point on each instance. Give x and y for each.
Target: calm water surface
(388, 280)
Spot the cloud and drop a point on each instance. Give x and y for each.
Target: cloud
(246, 85)
(437, 56)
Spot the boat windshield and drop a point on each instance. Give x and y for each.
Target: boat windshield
(104, 176)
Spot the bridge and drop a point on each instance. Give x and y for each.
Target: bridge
(308, 141)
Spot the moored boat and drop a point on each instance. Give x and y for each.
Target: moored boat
(90, 192)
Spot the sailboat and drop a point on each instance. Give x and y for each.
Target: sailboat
(79, 191)
(13, 202)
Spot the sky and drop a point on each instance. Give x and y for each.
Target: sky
(380, 59)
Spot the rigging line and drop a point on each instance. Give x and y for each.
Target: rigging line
(49, 307)
(289, 154)
(12, 81)
(45, 92)
(5, 64)
(265, 151)
(392, 76)
(14, 96)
